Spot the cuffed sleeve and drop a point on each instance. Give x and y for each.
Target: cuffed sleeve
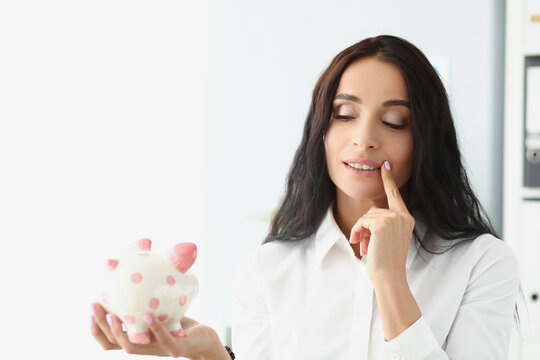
(251, 333)
(416, 342)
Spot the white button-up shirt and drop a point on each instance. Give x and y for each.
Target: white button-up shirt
(312, 299)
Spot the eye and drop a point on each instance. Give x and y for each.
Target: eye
(394, 126)
(394, 120)
(342, 117)
(344, 112)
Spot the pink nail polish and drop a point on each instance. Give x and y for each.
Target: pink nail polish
(109, 319)
(93, 309)
(387, 165)
(92, 321)
(148, 319)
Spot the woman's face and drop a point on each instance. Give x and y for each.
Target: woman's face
(371, 120)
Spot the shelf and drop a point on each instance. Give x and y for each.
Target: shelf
(530, 193)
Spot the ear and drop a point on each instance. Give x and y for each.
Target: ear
(183, 255)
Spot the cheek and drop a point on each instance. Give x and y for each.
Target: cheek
(336, 135)
(403, 159)
(330, 145)
(331, 149)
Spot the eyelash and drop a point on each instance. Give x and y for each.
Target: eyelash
(393, 126)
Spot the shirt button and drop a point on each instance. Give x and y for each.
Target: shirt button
(396, 356)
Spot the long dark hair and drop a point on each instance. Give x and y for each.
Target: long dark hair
(438, 190)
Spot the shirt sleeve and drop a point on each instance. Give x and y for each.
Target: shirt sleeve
(483, 323)
(251, 334)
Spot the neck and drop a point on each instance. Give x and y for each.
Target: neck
(347, 210)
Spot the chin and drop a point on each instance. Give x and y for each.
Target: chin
(365, 195)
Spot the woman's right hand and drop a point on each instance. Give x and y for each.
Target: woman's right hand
(200, 341)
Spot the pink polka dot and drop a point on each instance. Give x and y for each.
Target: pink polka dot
(139, 338)
(163, 317)
(112, 264)
(182, 300)
(180, 333)
(129, 319)
(136, 277)
(154, 303)
(170, 280)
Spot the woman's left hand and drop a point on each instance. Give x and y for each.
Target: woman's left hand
(385, 234)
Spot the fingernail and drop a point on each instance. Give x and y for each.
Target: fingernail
(148, 319)
(387, 165)
(93, 308)
(109, 319)
(92, 320)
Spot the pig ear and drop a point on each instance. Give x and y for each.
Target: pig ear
(183, 255)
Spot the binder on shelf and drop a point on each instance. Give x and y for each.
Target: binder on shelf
(530, 266)
(532, 26)
(531, 168)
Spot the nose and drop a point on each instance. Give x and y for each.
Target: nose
(365, 135)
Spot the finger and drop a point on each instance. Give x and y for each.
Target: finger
(364, 242)
(99, 317)
(100, 336)
(395, 202)
(174, 345)
(188, 322)
(363, 224)
(119, 335)
(356, 236)
(364, 245)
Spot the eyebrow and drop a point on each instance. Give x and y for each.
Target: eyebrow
(386, 103)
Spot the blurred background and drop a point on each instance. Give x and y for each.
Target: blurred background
(178, 121)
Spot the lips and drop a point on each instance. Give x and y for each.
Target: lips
(362, 173)
(363, 161)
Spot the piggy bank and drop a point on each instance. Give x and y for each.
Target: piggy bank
(143, 282)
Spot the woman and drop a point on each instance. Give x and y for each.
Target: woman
(338, 276)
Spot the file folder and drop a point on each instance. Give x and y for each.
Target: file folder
(530, 267)
(531, 169)
(532, 26)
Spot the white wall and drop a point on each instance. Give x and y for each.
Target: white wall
(102, 142)
(178, 121)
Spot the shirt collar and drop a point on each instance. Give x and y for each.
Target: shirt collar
(329, 234)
